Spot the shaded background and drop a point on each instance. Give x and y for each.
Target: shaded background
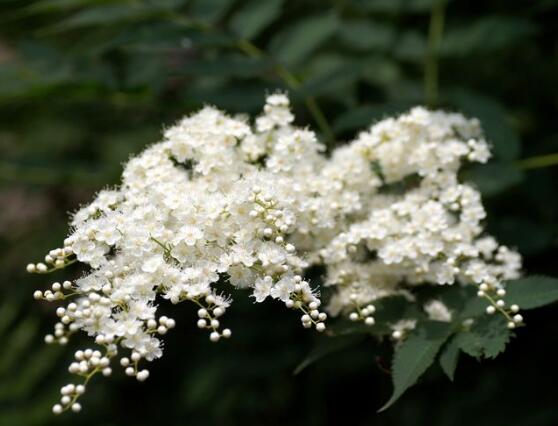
(86, 83)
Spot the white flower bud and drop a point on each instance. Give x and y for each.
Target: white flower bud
(142, 375)
(369, 321)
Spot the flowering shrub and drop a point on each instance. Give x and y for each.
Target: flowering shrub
(221, 202)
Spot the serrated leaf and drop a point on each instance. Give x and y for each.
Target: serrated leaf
(486, 338)
(255, 16)
(296, 42)
(532, 292)
(325, 347)
(449, 357)
(413, 357)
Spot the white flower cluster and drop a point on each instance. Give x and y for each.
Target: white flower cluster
(220, 201)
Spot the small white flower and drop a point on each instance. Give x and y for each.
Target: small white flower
(437, 311)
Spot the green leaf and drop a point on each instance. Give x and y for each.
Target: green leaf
(296, 42)
(396, 6)
(388, 310)
(8, 312)
(225, 66)
(383, 72)
(255, 16)
(17, 343)
(100, 16)
(414, 356)
(380, 6)
(474, 307)
(209, 10)
(461, 300)
(411, 47)
(532, 292)
(332, 81)
(486, 338)
(494, 178)
(486, 35)
(47, 6)
(364, 34)
(325, 347)
(449, 357)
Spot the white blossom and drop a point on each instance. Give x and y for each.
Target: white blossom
(254, 206)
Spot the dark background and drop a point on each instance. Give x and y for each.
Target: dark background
(84, 84)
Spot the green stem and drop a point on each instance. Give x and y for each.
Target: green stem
(538, 162)
(435, 32)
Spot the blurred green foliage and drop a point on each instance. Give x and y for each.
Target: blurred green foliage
(86, 83)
